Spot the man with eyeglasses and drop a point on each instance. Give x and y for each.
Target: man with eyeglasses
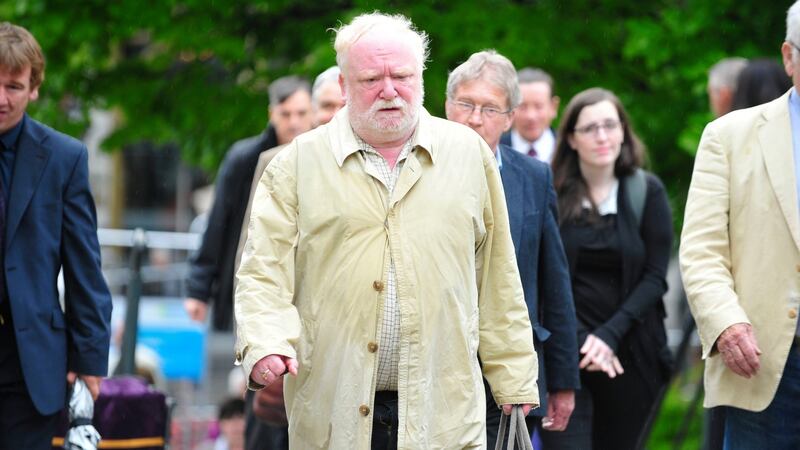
(740, 259)
(482, 93)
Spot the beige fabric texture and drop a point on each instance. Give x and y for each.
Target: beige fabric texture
(740, 247)
(308, 287)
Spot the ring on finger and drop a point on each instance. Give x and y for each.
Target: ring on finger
(265, 373)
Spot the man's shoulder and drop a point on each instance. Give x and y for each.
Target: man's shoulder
(244, 153)
(444, 128)
(742, 120)
(46, 135)
(249, 144)
(532, 166)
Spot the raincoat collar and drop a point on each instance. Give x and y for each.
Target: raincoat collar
(344, 143)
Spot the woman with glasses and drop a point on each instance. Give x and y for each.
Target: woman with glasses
(616, 226)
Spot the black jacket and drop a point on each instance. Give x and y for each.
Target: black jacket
(211, 272)
(636, 330)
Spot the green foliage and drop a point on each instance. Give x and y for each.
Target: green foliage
(675, 411)
(195, 72)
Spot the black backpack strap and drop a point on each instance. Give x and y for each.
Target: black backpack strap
(636, 193)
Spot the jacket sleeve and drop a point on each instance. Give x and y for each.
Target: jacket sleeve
(505, 335)
(705, 251)
(204, 270)
(268, 322)
(558, 307)
(647, 292)
(87, 300)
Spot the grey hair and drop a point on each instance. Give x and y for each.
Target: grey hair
(331, 74)
(793, 27)
(489, 66)
(348, 35)
(535, 75)
(283, 88)
(725, 73)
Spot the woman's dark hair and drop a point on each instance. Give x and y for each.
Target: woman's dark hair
(567, 178)
(761, 81)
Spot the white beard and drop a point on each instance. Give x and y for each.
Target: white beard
(368, 125)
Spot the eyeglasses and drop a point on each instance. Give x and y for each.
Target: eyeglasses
(608, 126)
(489, 112)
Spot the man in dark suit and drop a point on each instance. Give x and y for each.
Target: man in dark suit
(532, 131)
(47, 224)
(211, 275)
(211, 272)
(482, 94)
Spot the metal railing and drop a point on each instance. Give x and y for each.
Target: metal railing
(139, 241)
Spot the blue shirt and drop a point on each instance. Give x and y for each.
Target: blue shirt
(499, 158)
(794, 116)
(8, 153)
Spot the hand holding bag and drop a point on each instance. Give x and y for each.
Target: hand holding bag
(518, 436)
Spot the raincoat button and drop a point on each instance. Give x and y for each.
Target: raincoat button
(363, 410)
(372, 347)
(377, 285)
(792, 313)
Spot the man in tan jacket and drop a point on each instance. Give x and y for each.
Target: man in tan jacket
(379, 266)
(740, 258)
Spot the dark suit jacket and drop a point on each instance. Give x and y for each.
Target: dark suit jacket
(211, 272)
(505, 138)
(50, 224)
(532, 213)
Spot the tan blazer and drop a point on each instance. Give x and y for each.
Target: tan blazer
(740, 247)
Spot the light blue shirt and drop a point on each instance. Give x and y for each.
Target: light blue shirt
(499, 158)
(794, 116)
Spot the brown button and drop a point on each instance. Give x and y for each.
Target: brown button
(363, 410)
(377, 285)
(792, 313)
(372, 347)
(797, 267)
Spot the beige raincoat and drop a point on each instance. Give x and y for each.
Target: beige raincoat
(310, 286)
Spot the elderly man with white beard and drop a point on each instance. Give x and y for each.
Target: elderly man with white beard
(379, 267)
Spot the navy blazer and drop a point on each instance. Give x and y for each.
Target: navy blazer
(51, 223)
(533, 216)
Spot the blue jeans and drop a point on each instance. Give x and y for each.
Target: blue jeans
(778, 426)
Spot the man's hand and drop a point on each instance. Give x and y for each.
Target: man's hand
(271, 367)
(598, 356)
(739, 349)
(196, 309)
(559, 408)
(526, 408)
(92, 382)
(268, 404)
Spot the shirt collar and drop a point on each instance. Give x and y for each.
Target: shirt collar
(10, 137)
(609, 204)
(794, 102)
(499, 156)
(344, 142)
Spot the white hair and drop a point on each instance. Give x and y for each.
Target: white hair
(489, 66)
(348, 35)
(725, 73)
(793, 27)
(331, 74)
